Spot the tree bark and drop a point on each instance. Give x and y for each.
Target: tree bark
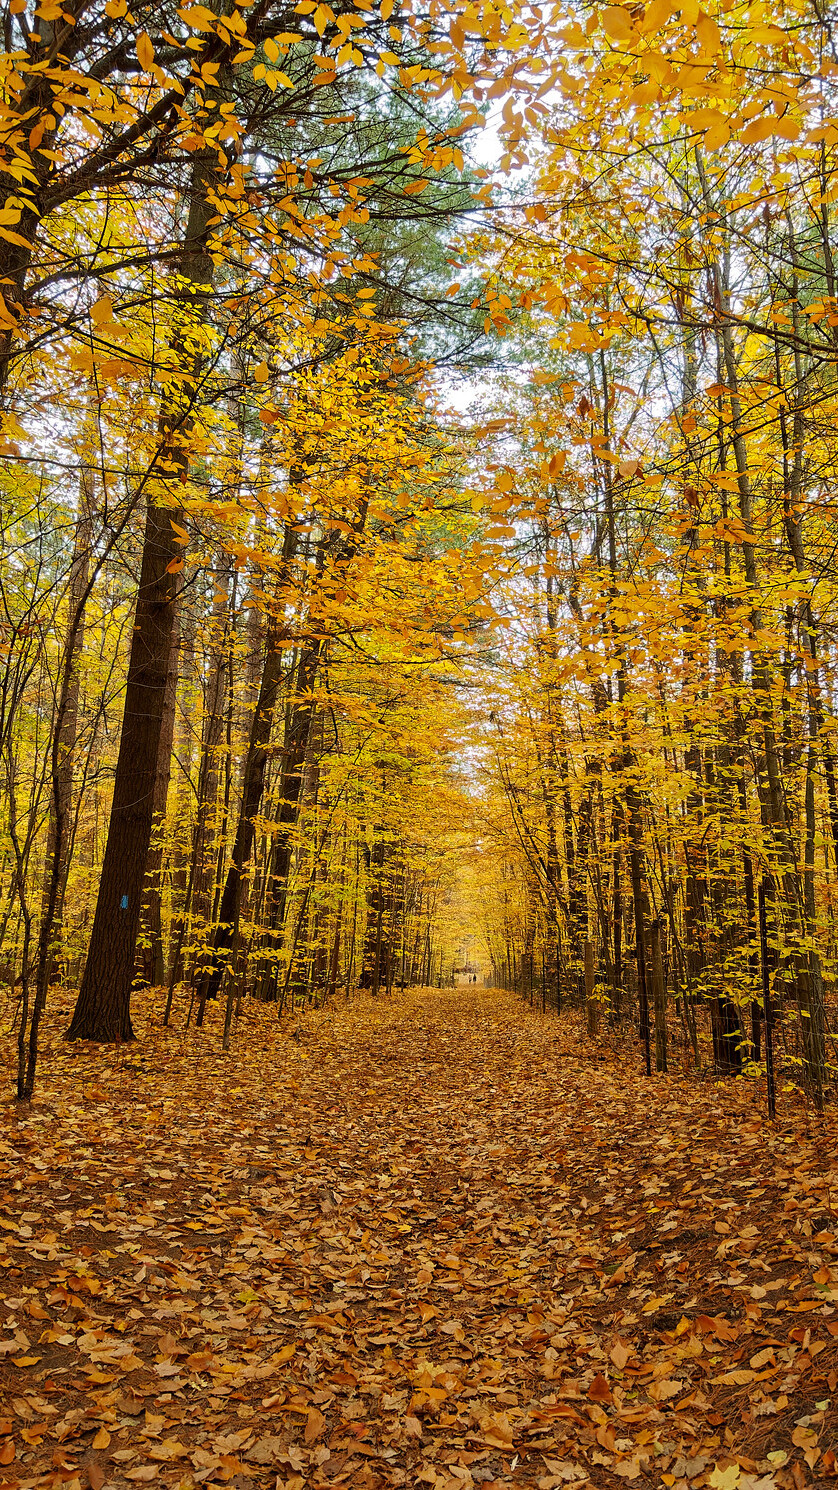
(103, 1009)
(61, 798)
(253, 785)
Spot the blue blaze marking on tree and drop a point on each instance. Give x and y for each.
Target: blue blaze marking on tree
(123, 904)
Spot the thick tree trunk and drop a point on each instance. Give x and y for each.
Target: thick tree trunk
(103, 1009)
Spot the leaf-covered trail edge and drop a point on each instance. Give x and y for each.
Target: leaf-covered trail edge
(431, 1242)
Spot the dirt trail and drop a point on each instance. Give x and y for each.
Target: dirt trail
(429, 1242)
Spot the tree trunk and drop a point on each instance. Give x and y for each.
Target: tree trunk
(151, 963)
(103, 1009)
(295, 748)
(590, 984)
(252, 788)
(659, 994)
(61, 797)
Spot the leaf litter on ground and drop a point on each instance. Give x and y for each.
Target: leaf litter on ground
(434, 1242)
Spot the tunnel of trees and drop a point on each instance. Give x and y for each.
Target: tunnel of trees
(417, 516)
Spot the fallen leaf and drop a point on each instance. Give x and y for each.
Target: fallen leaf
(315, 1425)
(725, 1479)
(265, 1450)
(629, 1469)
(497, 1431)
(599, 1390)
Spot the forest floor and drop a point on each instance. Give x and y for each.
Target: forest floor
(431, 1242)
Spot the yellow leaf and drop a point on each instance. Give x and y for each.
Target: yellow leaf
(770, 34)
(616, 23)
(656, 15)
(12, 237)
(102, 310)
(725, 1479)
(767, 128)
(262, 372)
(102, 1439)
(703, 118)
(709, 35)
(145, 50)
(198, 17)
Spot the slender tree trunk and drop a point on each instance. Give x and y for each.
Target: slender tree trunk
(617, 818)
(252, 788)
(294, 752)
(810, 974)
(151, 964)
(659, 991)
(61, 797)
(590, 984)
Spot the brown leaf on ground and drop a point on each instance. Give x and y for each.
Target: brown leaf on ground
(439, 1245)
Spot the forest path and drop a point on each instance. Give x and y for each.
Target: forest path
(429, 1242)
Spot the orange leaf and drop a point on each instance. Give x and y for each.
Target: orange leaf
(315, 1424)
(599, 1390)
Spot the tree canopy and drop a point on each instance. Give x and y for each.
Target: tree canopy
(408, 562)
